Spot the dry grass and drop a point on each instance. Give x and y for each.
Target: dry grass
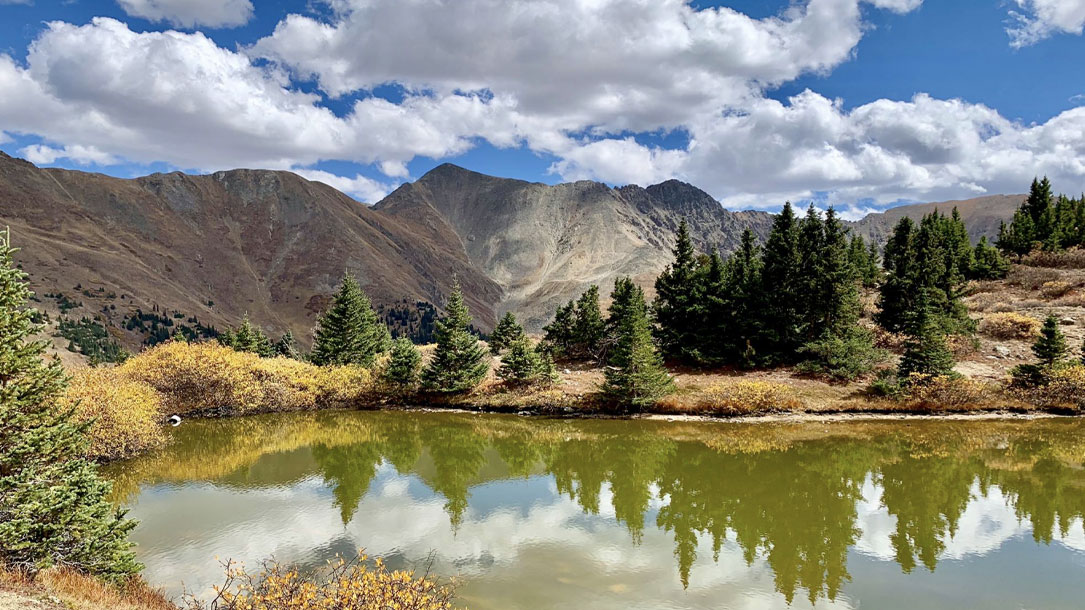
(1031, 278)
(733, 398)
(1009, 325)
(77, 591)
(1074, 258)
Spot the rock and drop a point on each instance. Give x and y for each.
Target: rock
(1067, 321)
(1002, 351)
(566, 371)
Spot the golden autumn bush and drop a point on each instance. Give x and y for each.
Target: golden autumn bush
(342, 585)
(1065, 389)
(1055, 289)
(126, 413)
(736, 398)
(947, 393)
(207, 377)
(1009, 325)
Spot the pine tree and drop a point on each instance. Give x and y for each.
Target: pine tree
(547, 372)
(635, 377)
(1050, 347)
(782, 282)
(54, 507)
(744, 296)
(559, 334)
(349, 332)
(925, 351)
(521, 364)
(249, 338)
(987, 262)
(403, 365)
(506, 331)
(459, 363)
(588, 325)
(897, 294)
(676, 305)
(287, 347)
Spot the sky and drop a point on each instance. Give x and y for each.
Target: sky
(861, 104)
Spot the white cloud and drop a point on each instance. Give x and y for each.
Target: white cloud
(191, 13)
(359, 187)
(84, 155)
(1040, 19)
(569, 78)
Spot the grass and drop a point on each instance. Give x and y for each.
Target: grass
(62, 588)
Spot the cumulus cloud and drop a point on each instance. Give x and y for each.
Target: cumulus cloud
(1040, 19)
(575, 79)
(359, 187)
(83, 155)
(191, 13)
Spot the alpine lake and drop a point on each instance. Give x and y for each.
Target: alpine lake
(548, 513)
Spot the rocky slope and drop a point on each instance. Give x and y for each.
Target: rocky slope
(274, 245)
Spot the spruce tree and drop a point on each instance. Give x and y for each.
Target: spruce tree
(559, 333)
(782, 282)
(925, 350)
(54, 507)
(287, 347)
(987, 262)
(743, 292)
(677, 300)
(635, 377)
(403, 365)
(459, 363)
(349, 332)
(588, 325)
(249, 338)
(506, 331)
(897, 293)
(1050, 347)
(521, 364)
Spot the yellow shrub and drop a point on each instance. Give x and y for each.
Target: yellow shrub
(1009, 325)
(945, 393)
(209, 377)
(743, 397)
(1065, 389)
(127, 413)
(341, 585)
(1055, 289)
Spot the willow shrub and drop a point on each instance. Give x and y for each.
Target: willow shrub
(207, 377)
(1064, 389)
(342, 585)
(1009, 325)
(736, 398)
(125, 413)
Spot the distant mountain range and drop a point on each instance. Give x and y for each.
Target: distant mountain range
(273, 245)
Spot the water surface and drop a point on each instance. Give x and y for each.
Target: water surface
(563, 514)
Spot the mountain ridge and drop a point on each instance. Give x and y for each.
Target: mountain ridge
(272, 245)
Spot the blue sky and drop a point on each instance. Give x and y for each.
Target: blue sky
(861, 103)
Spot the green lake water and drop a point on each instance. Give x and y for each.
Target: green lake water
(530, 513)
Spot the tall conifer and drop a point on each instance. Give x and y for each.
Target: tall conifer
(459, 363)
(677, 299)
(635, 377)
(349, 332)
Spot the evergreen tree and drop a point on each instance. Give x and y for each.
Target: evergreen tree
(403, 365)
(54, 507)
(864, 260)
(897, 293)
(506, 331)
(1050, 347)
(676, 307)
(783, 286)
(287, 347)
(588, 325)
(987, 262)
(249, 338)
(349, 332)
(925, 349)
(559, 334)
(459, 363)
(811, 244)
(742, 291)
(842, 349)
(635, 377)
(521, 364)
(548, 373)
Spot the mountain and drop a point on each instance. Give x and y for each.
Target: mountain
(217, 247)
(273, 245)
(981, 215)
(546, 244)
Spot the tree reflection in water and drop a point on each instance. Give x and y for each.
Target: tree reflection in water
(785, 493)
